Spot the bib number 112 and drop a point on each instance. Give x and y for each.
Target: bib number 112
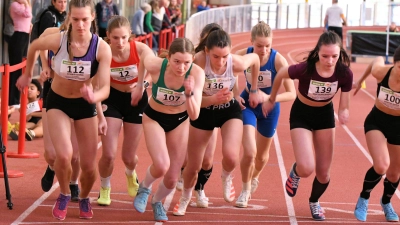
(75, 69)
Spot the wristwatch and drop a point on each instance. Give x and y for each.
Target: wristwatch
(146, 84)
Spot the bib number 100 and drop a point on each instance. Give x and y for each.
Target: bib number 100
(74, 69)
(392, 98)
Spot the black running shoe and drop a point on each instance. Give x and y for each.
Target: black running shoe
(74, 192)
(47, 179)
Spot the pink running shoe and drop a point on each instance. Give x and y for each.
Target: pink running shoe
(60, 208)
(85, 209)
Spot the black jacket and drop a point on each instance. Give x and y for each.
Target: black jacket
(51, 18)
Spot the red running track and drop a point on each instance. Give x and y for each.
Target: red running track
(269, 204)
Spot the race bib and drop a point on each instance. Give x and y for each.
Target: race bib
(212, 86)
(319, 90)
(264, 79)
(32, 107)
(389, 98)
(170, 97)
(75, 70)
(124, 74)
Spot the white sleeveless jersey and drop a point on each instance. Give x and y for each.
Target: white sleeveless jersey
(215, 82)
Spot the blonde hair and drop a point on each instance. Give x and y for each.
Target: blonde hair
(261, 29)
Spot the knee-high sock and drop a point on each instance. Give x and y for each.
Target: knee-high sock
(370, 181)
(148, 180)
(161, 193)
(388, 190)
(317, 190)
(202, 178)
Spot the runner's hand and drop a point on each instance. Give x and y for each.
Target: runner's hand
(241, 102)
(136, 94)
(222, 96)
(87, 93)
(102, 126)
(267, 107)
(357, 86)
(189, 84)
(45, 74)
(343, 116)
(23, 81)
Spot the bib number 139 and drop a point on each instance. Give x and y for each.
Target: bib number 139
(323, 90)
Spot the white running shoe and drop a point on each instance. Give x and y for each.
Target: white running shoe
(243, 199)
(180, 207)
(254, 185)
(228, 189)
(201, 199)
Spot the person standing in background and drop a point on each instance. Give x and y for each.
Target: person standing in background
(21, 15)
(55, 15)
(8, 29)
(175, 13)
(335, 19)
(104, 11)
(137, 24)
(203, 6)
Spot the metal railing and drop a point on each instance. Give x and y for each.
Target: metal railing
(238, 19)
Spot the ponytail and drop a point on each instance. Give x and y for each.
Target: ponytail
(203, 40)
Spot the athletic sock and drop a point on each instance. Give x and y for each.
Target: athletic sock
(370, 181)
(317, 190)
(105, 182)
(388, 190)
(161, 193)
(202, 178)
(148, 180)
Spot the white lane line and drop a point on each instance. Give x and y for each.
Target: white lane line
(362, 149)
(289, 202)
(37, 203)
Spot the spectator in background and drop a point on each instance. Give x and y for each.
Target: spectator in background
(393, 27)
(21, 15)
(166, 21)
(34, 127)
(148, 27)
(104, 11)
(137, 24)
(203, 6)
(8, 24)
(174, 10)
(335, 19)
(55, 15)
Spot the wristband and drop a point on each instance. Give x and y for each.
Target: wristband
(146, 84)
(189, 95)
(253, 91)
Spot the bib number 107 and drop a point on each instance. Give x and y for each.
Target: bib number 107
(75, 69)
(171, 98)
